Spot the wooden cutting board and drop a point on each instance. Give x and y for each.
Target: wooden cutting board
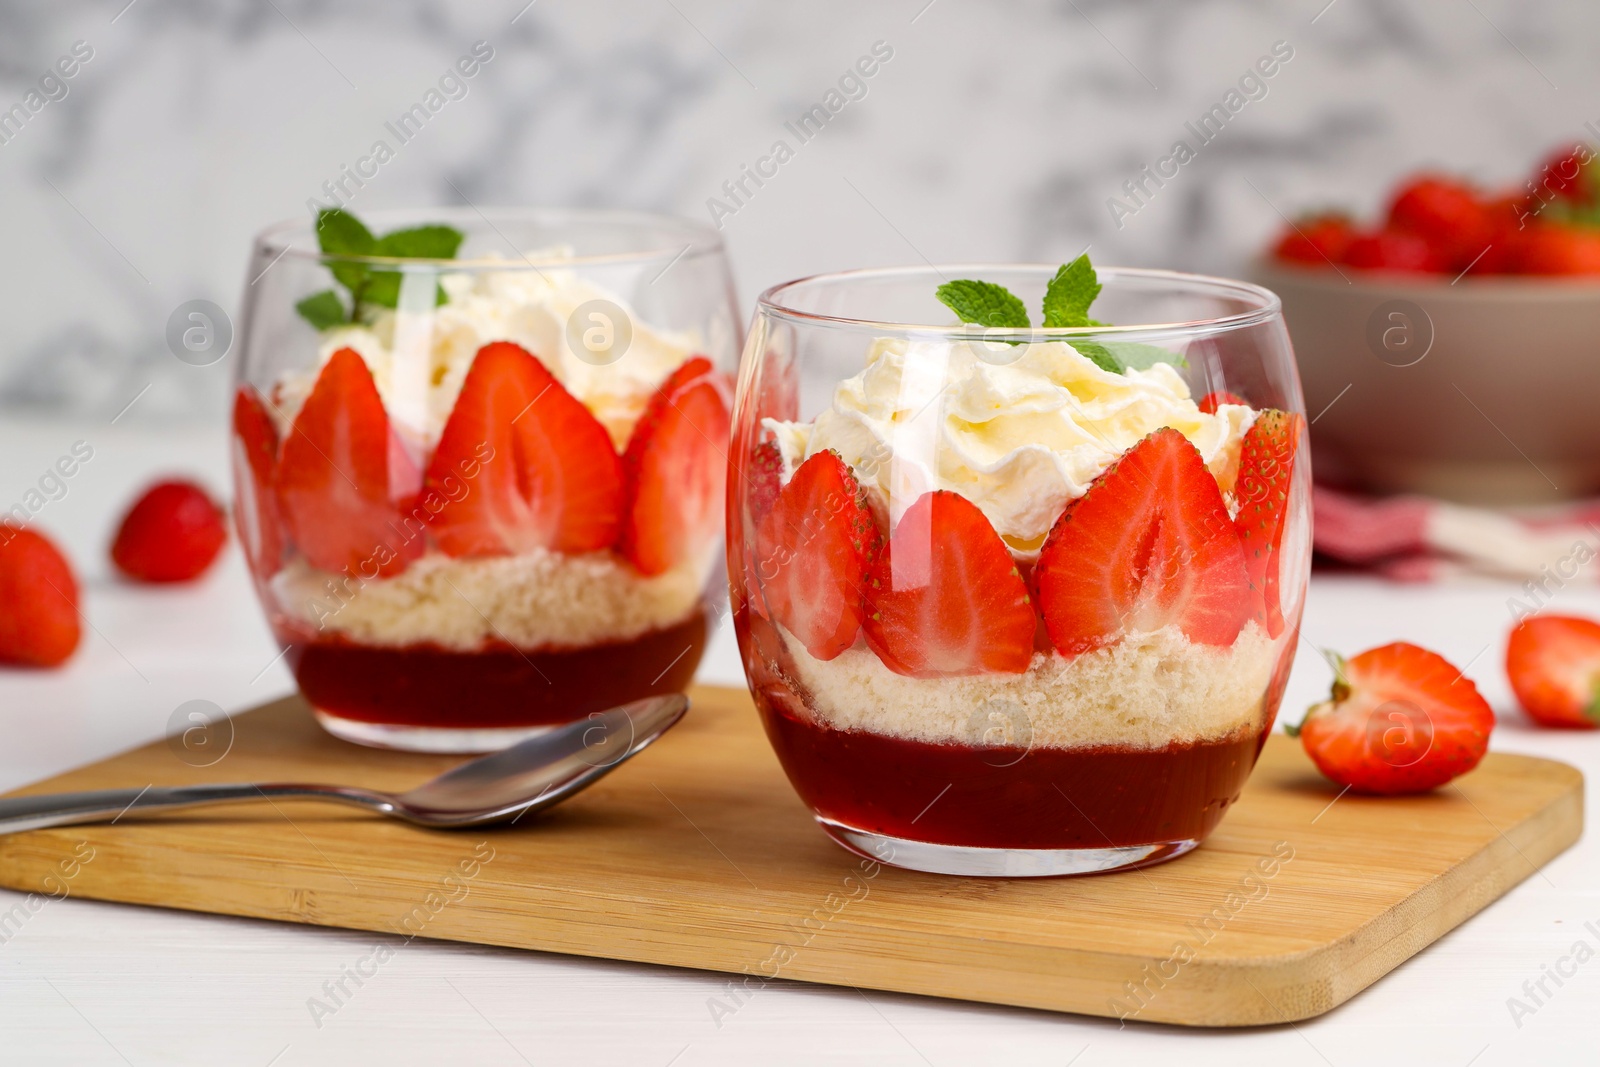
(698, 854)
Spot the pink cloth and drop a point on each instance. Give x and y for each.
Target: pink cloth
(1416, 539)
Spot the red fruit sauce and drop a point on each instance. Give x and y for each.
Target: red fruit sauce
(499, 686)
(1010, 797)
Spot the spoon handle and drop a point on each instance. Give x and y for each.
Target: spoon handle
(99, 805)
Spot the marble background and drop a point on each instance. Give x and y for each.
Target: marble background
(997, 131)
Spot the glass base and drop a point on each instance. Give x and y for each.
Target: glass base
(973, 862)
(426, 738)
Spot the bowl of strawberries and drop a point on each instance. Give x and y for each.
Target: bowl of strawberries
(1449, 349)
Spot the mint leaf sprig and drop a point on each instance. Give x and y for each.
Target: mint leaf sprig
(340, 233)
(1067, 300)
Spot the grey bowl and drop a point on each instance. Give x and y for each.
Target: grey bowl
(1483, 391)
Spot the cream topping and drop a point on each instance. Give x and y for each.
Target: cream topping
(1020, 430)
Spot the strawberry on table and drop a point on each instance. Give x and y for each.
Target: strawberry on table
(173, 533)
(344, 479)
(1266, 471)
(1400, 719)
(675, 469)
(812, 551)
(1149, 545)
(944, 597)
(1553, 662)
(521, 464)
(255, 463)
(38, 600)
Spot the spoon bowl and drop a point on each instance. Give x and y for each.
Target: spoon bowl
(503, 787)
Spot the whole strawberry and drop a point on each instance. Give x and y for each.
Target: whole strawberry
(172, 534)
(1400, 719)
(38, 600)
(1553, 662)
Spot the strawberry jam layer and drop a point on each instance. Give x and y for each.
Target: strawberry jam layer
(423, 685)
(1009, 797)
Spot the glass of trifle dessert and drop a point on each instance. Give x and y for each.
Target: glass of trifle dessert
(480, 463)
(1017, 593)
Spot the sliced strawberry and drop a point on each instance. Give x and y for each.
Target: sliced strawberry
(944, 597)
(38, 600)
(1266, 470)
(676, 470)
(1212, 401)
(1149, 545)
(1554, 665)
(1400, 719)
(811, 555)
(344, 477)
(521, 464)
(255, 464)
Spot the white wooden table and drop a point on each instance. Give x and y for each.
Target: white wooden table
(83, 982)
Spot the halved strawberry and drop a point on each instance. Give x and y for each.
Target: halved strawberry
(944, 597)
(1266, 470)
(1400, 719)
(676, 470)
(1149, 545)
(811, 555)
(521, 464)
(344, 477)
(1554, 665)
(255, 464)
(1212, 401)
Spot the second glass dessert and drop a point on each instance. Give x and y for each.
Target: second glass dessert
(1017, 599)
(480, 464)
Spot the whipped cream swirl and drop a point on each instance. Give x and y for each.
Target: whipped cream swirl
(1020, 432)
(419, 356)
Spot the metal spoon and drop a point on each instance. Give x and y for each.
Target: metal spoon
(527, 777)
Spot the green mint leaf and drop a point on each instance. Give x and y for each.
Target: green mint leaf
(1119, 357)
(383, 289)
(340, 233)
(1098, 355)
(1135, 356)
(420, 242)
(984, 303)
(322, 310)
(1069, 294)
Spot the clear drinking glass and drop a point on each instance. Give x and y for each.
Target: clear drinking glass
(486, 498)
(1006, 606)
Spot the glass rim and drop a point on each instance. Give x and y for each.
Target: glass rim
(699, 239)
(1266, 303)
